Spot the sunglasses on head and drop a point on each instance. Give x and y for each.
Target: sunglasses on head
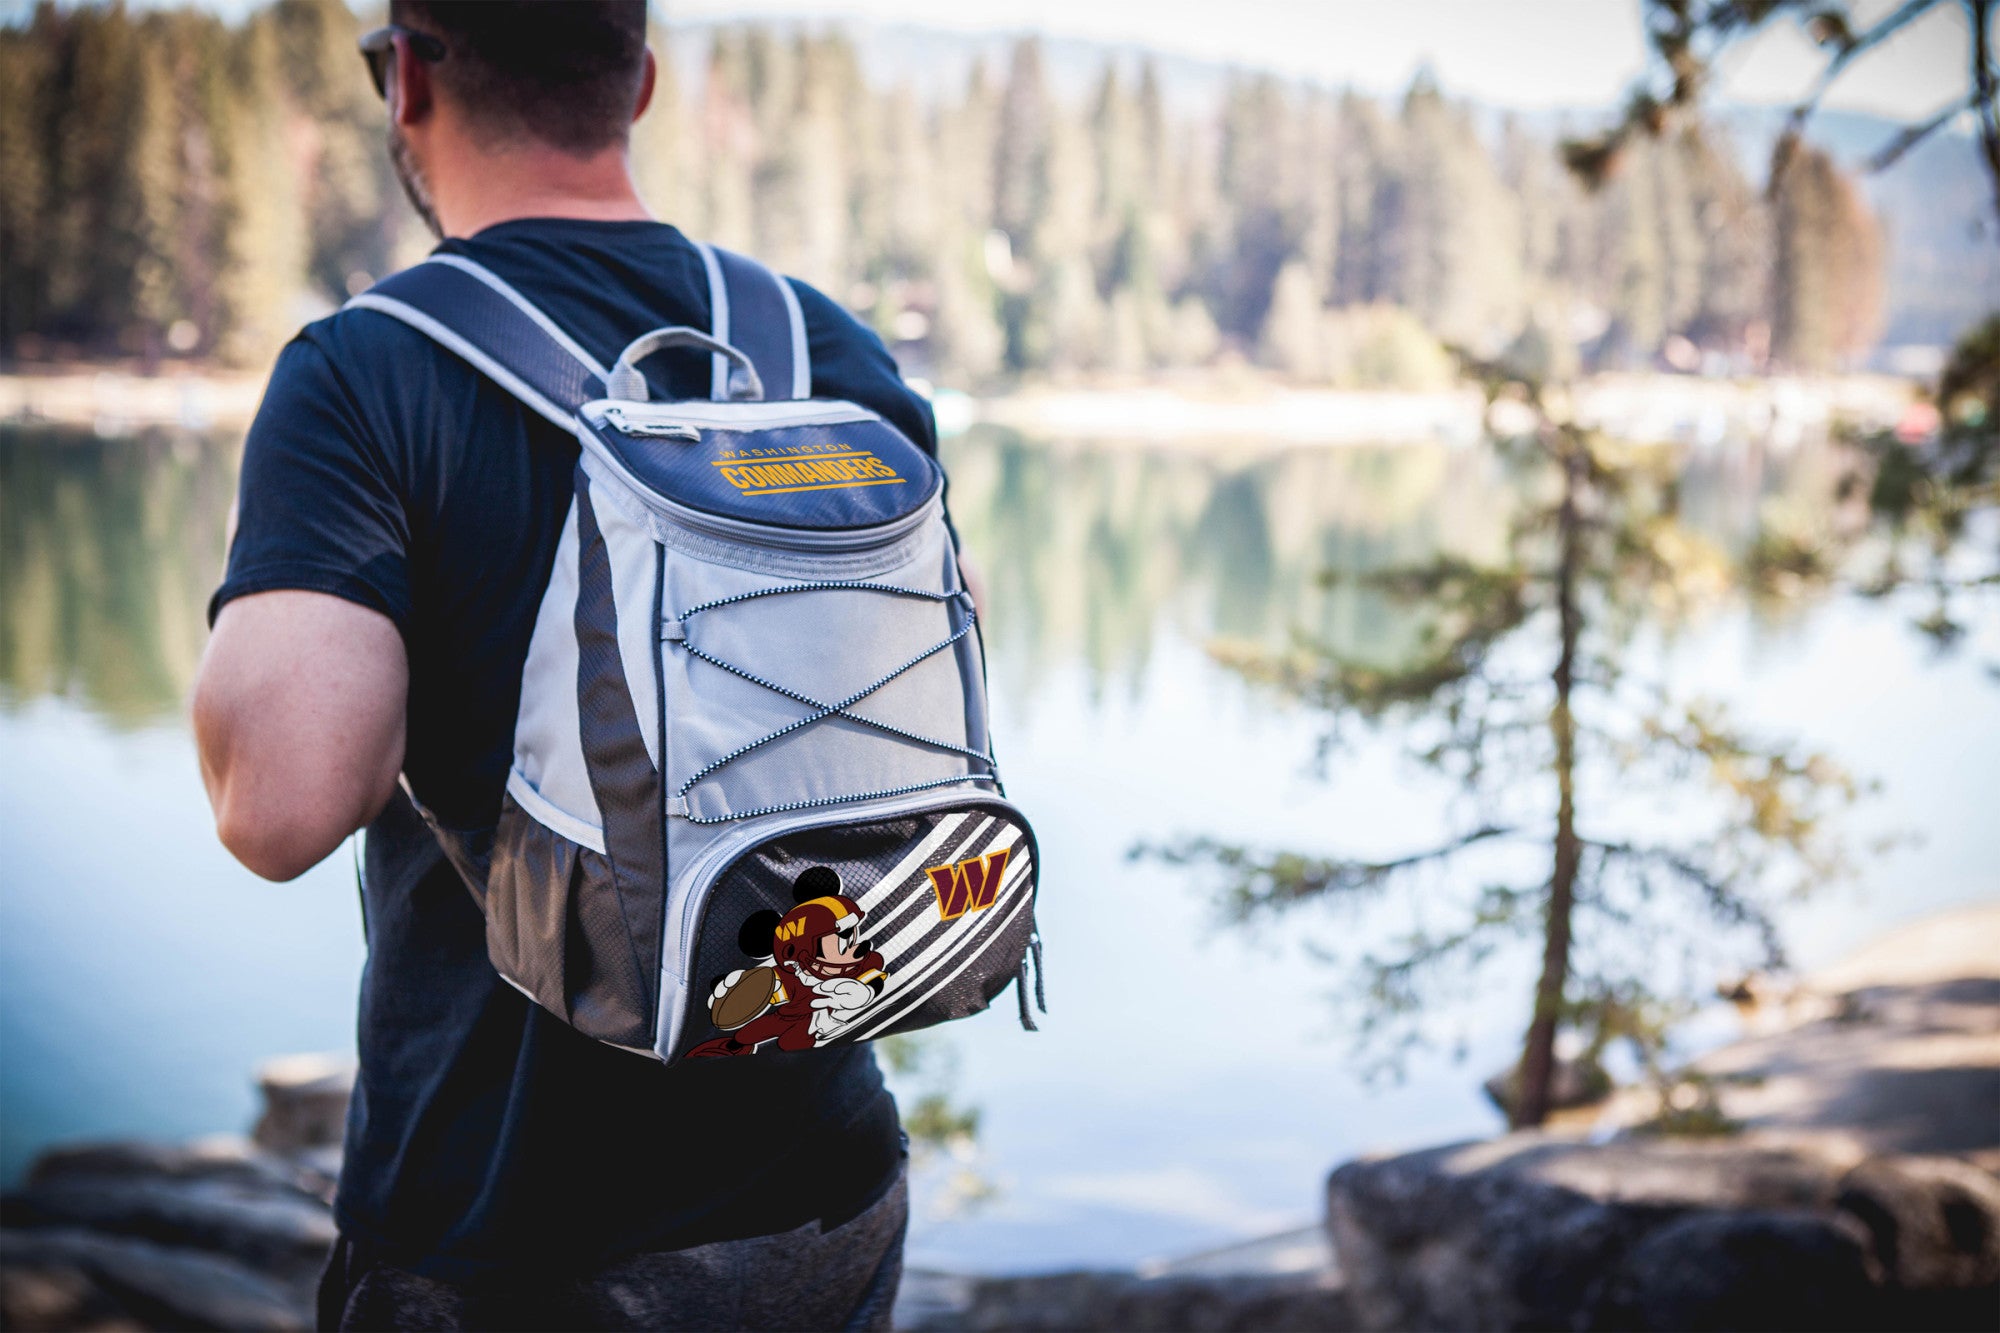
(378, 48)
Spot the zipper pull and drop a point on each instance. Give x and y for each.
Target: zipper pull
(652, 430)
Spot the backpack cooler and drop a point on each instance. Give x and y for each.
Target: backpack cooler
(753, 718)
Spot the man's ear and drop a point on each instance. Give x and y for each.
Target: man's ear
(647, 80)
(410, 93)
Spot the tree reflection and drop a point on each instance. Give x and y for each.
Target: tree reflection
(109, 549)
(1091, 552)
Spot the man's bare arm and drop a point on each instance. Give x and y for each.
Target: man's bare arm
(299, 716)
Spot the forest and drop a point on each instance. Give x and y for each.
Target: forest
(181, 187)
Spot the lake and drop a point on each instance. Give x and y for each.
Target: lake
(1192, 1083)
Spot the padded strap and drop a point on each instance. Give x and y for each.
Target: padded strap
(756, 310)
(467, 309)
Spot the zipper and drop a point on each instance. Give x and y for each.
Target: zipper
(652, 430)
(756, 416)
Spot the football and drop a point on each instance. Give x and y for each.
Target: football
(743, 1002)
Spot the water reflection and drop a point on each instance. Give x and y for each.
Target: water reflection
(1091, 552)
(109, 549)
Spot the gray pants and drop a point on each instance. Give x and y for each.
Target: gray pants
(845, 1278)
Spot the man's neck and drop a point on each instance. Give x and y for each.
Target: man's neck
(536, 182)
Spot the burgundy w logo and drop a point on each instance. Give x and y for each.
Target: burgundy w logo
(969, 886)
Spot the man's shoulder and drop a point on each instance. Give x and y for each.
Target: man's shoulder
(824, 315)
(355, 340)
(366, 364)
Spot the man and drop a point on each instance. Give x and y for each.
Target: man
(398, 519)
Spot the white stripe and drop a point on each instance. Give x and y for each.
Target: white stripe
(909, 974)
(538, 807)
(718, 303)
(498, 373)
(525, 306)
(864, 1028)
(887, 884)
(801, 359)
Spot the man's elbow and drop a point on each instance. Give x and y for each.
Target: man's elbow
(271, 853)
(273, 845)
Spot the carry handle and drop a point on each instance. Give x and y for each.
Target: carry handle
(625, 382)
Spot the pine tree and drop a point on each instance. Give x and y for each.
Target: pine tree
(1826, 275)
(666, 147)
(265, 238)
(1293, 336)
(25, 59)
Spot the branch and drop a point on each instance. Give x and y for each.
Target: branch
(1728, 905)
(1875, 36)
(1277, 880)
(1892, 152)
(1983, 92)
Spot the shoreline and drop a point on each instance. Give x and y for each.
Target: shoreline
(1257, 412)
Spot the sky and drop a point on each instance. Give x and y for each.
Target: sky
(1524, 54)
(1511, 53)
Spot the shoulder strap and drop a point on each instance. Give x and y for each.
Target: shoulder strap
(466, 308)
(756, 310)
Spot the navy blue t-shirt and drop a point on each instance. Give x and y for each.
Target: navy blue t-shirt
(485, 1134)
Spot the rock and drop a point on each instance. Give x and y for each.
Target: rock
(1533, 1232)
(1861, 1104)
(66, 1279)
(232, 1201)
(1896, 1050)
(1934, 1227)
(305, 1102)
(1088, 1300)
(1736, 1270)
(1572, 1083)
(220, 1158)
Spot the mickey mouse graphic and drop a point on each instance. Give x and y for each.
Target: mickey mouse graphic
(820, 974)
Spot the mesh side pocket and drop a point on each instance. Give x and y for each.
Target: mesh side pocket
(554, 929)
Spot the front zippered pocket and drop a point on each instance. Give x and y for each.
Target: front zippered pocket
(734, 843)
(828, 476)
(942, 896)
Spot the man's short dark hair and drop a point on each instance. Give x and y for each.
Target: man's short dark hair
(566, 72)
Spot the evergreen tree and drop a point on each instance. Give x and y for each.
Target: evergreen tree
(25, 60)
(1827, 293)
(1293, 336)
(167, 172)
(266, 242)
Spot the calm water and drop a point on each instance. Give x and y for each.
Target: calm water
(1191, 1085)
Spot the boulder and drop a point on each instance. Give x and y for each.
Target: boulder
(1735, 1270)
(1534, 1232)
(64, 1279)
(1934, 1229)
(223, 1197)
(1572, 1084)
(305, 1102)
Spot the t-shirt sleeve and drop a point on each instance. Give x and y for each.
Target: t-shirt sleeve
(849, 361)
(318, 506)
